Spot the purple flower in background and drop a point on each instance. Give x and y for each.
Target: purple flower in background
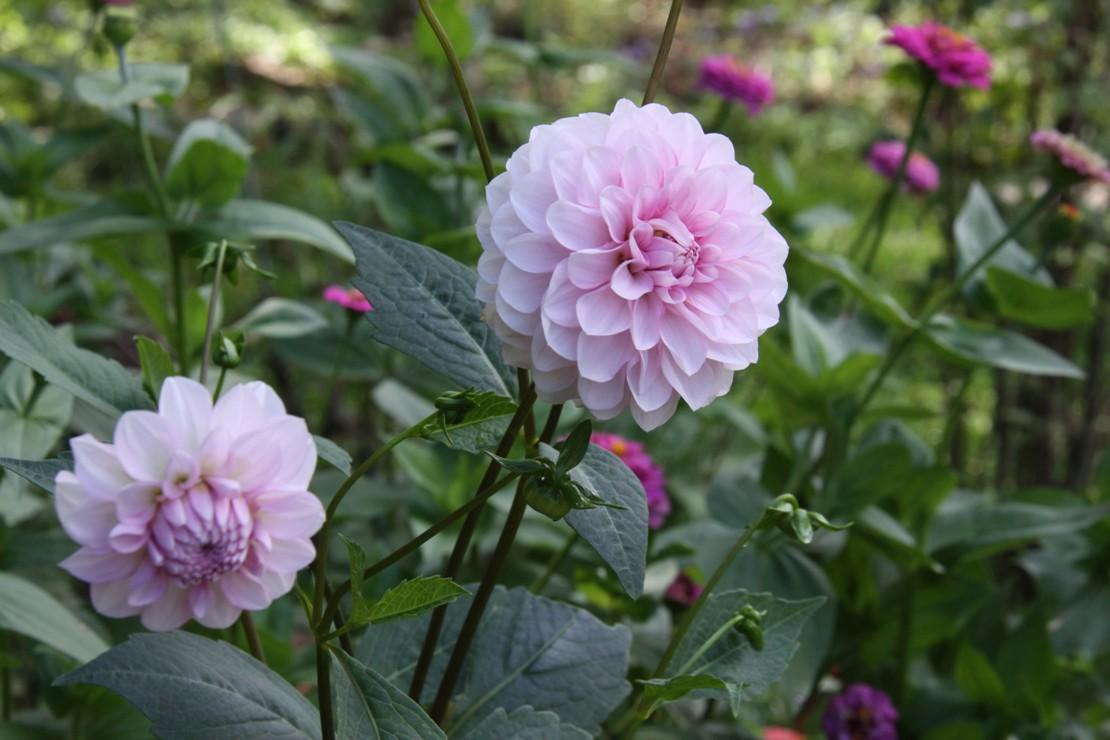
(351, 299)
(651, 475)
(1072, 154)
(683, 590)
(955, 58)
(860, 712)
(921, 174)
(733, 81)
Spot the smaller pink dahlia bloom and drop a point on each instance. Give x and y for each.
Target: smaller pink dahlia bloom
(683, 590)
(955, 58)
(196, 511)
(351, 299)
(733, 81)
(633, 455)
(921, 175)
(1073, 154)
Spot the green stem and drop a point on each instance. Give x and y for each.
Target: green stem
(892, 189)
(151, 167)
(323, 691)
(333, 376)
(554, 563)
(464, 91)
(219, 384)
(942, 299)
(905, 635)
(253, 640)
(177, 282)
(664, 51)
(5, 679)
(713, 639)
(213, 303)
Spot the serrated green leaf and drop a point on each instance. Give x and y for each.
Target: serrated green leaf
(523, 723)
(39, 472)
(208, 163)
(413, 598)
(480, 428)
(27, 609)
(156, 363)
(368, 707)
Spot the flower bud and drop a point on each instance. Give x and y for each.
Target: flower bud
(120, 23)
(227, 350)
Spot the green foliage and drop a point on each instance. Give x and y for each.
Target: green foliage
(28, 610)
(156, 364)
(368, 706)
(207, 165)
(148, 81)
(1034, 304)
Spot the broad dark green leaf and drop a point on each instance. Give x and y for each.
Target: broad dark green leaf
(560, 658)
(987, 345)
(745, 671)
(281, 318)
(208, 163)
(864, 288)
(974, 521)
(414, 597)
(39, 472)
(425, 307)
(976, 228)
(523, 723)
(27, 609)
(105, 90)
(332, 454)
(368, 707)
(156, 363)
(479, 429)
(1035, 304)
(101, 382)
(251, 220)
(619, 536)
(193, 688)
(98, 220)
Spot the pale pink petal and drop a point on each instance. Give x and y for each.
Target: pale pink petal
(290, 555)
(218, 613)
(244, 591)
(85, 519)
(169, 612)
(187, 405)
(144, 443)
(289, 514)
(577, 227)
(602, 312)
(111, 598)
(99, 566)
(97, 467)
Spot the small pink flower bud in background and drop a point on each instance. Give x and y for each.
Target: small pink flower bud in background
(921, 175)
(196, 511)
(351, 299)
(781, 733)
(733, 81)
(633, 455)
(953, 57)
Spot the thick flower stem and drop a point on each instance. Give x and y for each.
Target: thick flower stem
(464, 92)
(883, 211)
(213, 304)
(253, 640)
(323, 691)
(664, 51)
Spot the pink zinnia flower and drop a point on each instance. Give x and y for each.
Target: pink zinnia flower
(627, 262)
(733, 81)
(683, 590)
(955, 58)
(633, 455)
(781, 733)
(1073, 154)
(921, 175)
(193, 512)
(351, 299)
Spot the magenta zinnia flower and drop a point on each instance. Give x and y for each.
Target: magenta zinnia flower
(683, 590)
(1072, 154)
(627, 262)
(955, 58)
(633, 455)
(351, 299)
(860, 712)
(921, 174)
(733, 81)
(193, 512)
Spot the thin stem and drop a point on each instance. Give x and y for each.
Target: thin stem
(177, 282)
(323, 691)
(219, 384)
(462, 542)
(464, 91)
(554, 563)
(899, 175)
(213, 303)
(5, 680)
(144, 142)
(333, 376)
(724, 628)
(905, 634)
(664, 51)
(413, 545)
(478, 605)
(251, 633)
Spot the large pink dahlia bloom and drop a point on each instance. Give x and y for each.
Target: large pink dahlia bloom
(194, 511)
(627, 262)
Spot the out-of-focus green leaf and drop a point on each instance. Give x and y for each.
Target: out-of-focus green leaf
(977, 678)
(96, 221)
(977, 227)
(250, 220)
(974, 521)
(1035, 304)
(454, 21)
(27, 609)
(156, 363)
(281, 318)
(208, 163)
(864, 288)
(981, 344)
(105, 90)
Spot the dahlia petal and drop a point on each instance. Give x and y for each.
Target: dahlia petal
(589, 268)
(144, 443)
(97, 467)
(645, 379)
(649, 420)
(600, 358)
(169, 612)
(639, 168)
(602, 169)
(239, 411)
(688, 347)
(85, 519)
(538, 253)
(278, 584)
(607, 395)
(602, 312)
(646, 316)
(289, 556)
(255, 460)
(289, 514)
(629, 285)
(111, 598)
(531, 196)
(187, 405)
(147, 585)
(99, 566)
(521, 290)
(697, 389)
(219, 612)
(577, 227)
(616, 209)
(128, 537)
(244, 591)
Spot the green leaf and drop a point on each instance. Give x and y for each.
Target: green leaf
(523, 723)
(191, 687)
(105, 90)
(867, 290)
(39, 472)
(425, 307)
(575, 446)
(98, 220)
(407, 202)
(368, 707)
(454, 21)
(208, 163)
(413, 598)
(257, 220)
(873, 475)
(977, 678)
(975, 521)
(332, 454)
(1034, 304)
(746, 672)
(101, 382)
(560, 658)
(987, 345)
(156, 363)
(281, 318)
(394, 89)
(662, 690)
(480, 428)
(976, 228)
(619, 536)
(27, 609)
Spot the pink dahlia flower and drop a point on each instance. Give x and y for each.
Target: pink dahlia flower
(921, 174)
(1072, 154)
(651, 477)
(954, 58)
(628, 263)
(733, 81)
(193, 511)
(683, 590)
(351, 299)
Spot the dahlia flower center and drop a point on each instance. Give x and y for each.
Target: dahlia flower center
(200, 535)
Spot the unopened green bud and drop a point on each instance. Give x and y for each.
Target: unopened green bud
(120, 24)
(227, 350)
